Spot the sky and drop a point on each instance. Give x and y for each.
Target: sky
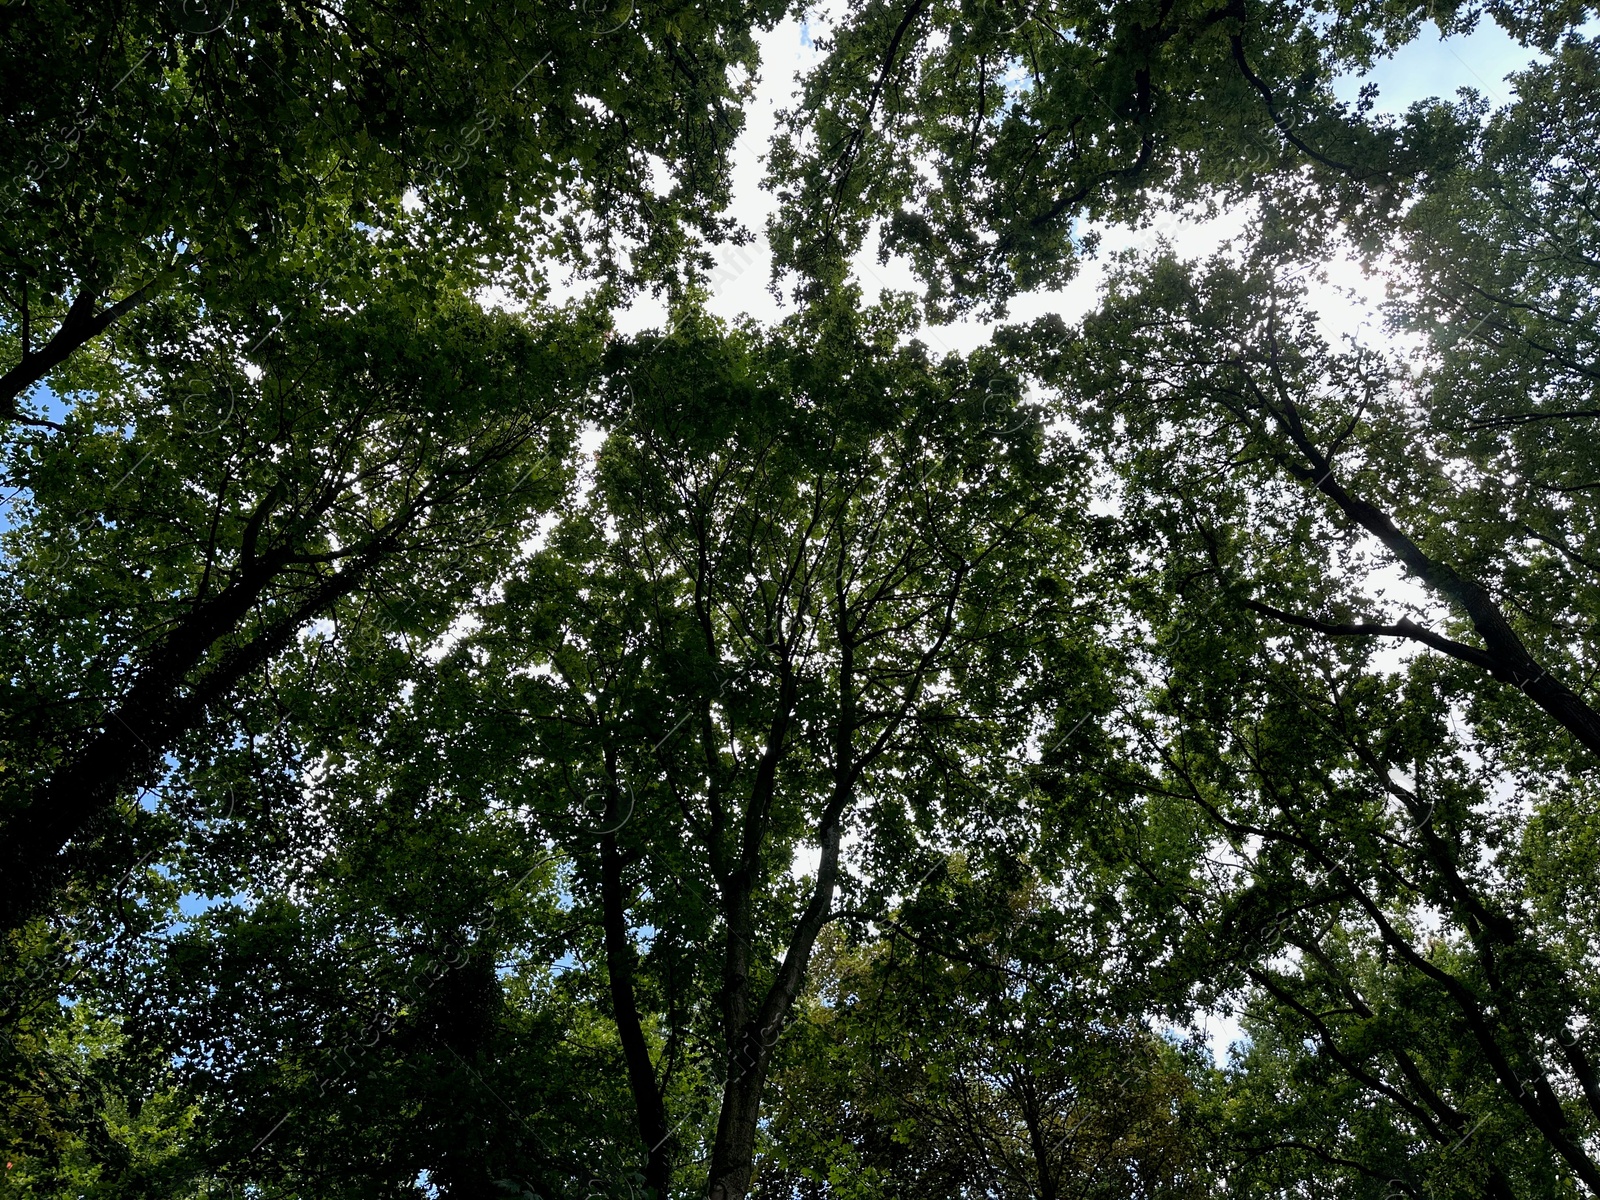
(1429, 66)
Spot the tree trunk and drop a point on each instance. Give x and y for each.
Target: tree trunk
(733, 1153)
(650, 1111)
(750, 1053)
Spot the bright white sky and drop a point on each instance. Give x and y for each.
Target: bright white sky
(1430, 66)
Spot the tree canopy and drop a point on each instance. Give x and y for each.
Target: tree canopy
(459, 743)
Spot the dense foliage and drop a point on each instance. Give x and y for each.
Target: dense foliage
(454, 748)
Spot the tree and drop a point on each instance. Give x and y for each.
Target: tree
(775, 619)
(1398, 821)
(170, 563)
(176, 152)
(1256, 462)
(982, 1048)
